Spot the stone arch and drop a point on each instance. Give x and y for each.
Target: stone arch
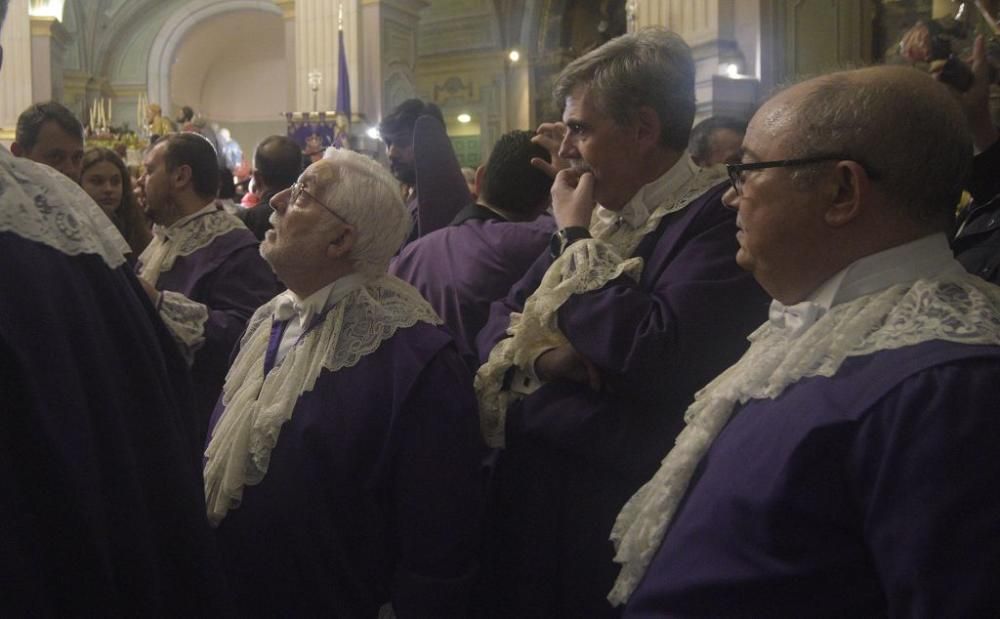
(173, 31)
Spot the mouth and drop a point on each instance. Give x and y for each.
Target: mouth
(270, 235)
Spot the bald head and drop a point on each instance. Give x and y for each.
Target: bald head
(904, 127)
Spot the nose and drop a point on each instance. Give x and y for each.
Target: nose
(279, 201)
(567, 148)
(731, 198)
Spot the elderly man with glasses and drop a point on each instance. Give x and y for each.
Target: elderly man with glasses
(847, 465)
(343, 469)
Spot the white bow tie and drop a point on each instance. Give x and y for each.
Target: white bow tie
(795, 319)
(288, 308)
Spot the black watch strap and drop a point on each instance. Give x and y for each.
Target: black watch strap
(564, 237)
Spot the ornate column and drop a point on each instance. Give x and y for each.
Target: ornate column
(315, 41)
(288, 16)
(388, 54)
(15, 78)
(48, 46)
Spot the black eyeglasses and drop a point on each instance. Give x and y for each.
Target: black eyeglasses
(297, 189)
(736, 170)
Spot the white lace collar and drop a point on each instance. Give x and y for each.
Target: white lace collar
(174, 230)
(41, 204)
(184, 237)
(954, 307)
(651, 195)
(257, 406)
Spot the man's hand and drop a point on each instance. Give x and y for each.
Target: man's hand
(975, 101)
(573, 198)
(550, 136)
(564, 362)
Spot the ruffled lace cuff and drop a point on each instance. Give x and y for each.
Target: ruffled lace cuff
(186, 320)
(586, 265)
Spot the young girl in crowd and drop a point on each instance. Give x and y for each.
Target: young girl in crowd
(108, 182)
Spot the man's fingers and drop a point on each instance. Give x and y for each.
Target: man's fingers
(544, 166)
(585, 183)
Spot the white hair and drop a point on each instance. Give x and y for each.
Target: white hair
(367, 196)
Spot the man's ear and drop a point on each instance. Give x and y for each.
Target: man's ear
(181, 176)
(478, 183)
(343, 243)
(16, 150)
(850, 192)
(647, 126)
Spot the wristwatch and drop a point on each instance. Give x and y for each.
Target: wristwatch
(565, 237)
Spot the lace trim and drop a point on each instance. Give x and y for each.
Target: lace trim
(186, 320)
(586, 265)
(257, 406)
(167, 246)
(40, 204)
(960, 308)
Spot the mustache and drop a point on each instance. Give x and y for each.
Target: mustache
(580, 166)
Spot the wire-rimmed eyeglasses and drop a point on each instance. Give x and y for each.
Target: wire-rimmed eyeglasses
(298, 189)
(736, 170)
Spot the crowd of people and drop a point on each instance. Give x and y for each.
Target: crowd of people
(623, 370)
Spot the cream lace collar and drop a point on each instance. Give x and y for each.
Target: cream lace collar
(184, 237)
(40, 204)
(257, 406)
(955, 307)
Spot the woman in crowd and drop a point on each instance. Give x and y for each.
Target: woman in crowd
(108, 182)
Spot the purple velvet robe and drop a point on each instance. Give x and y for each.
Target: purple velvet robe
(373, 493)
(574, 456)
(870, 493)
(102, 511)
(228, 276)
(463, 268)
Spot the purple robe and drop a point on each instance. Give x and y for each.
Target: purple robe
(869, 493)
(373, 492)
(101, 504)
(229, 277)
(574, 456)
(463, 268)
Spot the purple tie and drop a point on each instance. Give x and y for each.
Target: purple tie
(277, 330)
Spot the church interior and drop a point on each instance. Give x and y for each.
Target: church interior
(257, 67)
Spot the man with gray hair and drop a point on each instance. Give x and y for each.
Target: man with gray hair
(343, 470)
(846, 466)
(592, 358)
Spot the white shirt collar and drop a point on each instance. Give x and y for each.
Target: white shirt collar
(927, 257)
(290, 304)
(652, 194)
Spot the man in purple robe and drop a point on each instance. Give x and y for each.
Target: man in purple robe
(592, 358)
(101, 508)
(422, 158)
(847, 465)
(202, 270)
(343, 471)
(463, 268)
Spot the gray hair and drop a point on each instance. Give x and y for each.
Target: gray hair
(366, 195)
(652, 67)
(920, 155)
